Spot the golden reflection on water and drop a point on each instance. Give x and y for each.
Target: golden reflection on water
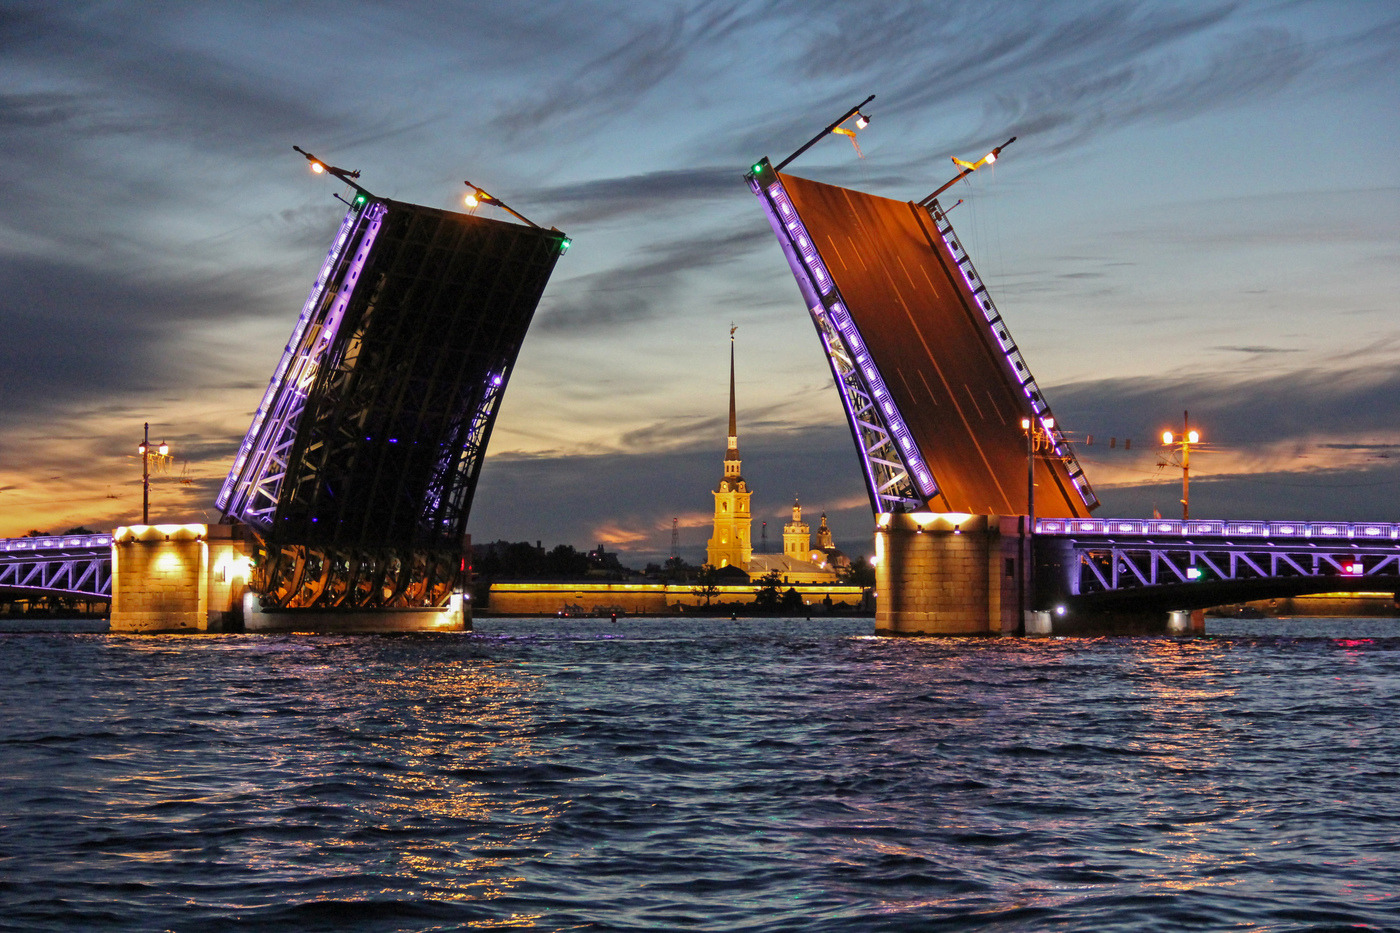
(466, 742)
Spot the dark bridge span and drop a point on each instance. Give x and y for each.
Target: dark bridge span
(358, 471)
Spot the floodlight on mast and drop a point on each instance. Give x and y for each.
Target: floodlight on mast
(477, 196)
(862, 121)
(320, 167)
(967, 169)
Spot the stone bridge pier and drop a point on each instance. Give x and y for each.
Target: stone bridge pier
(948, 574)
(178, 578)
(197, 578)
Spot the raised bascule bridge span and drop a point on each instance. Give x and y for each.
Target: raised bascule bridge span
(357, 474)
(982, 511)
(346, 506)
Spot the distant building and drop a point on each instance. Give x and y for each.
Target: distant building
(731, 545)
(826, 553)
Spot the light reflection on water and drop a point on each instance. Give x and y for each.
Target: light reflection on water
(764, 775)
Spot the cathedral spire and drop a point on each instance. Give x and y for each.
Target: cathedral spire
(731, 453)
(733, 418)
(731, 544)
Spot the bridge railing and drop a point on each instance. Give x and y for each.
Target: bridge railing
(49, 543)
(1120, 566)
(1171, 528)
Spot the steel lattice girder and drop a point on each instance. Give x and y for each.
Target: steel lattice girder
(1104, 567)
(72, 566)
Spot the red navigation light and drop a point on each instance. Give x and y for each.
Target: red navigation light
(1353, 569)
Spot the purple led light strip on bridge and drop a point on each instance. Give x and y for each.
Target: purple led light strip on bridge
(1108, 527)
(274, 425)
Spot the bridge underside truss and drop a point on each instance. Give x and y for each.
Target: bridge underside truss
(75, 565)
(933, 386)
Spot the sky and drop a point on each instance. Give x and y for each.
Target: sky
(1201, 212)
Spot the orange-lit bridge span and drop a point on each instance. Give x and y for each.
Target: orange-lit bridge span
(948, 423)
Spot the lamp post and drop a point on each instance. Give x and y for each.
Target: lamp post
(967, 169)
(1028, 558)
(1188, 437)
(160, 455)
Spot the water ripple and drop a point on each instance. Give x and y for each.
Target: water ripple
(763, 776)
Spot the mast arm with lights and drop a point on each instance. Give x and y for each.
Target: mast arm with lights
(322, 168)
(478, 196)
(862, 121)
(967, 169)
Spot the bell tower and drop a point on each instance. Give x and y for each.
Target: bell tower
(797, 535)
(731, 545)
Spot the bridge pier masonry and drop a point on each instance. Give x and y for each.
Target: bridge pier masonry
(196, 579)
(948, 574)
(178, 578)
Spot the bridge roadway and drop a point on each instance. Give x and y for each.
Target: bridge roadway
(1107, 565)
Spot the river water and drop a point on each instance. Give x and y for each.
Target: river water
(760, 775)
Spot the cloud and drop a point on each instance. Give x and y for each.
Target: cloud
(1287, 406)
(1257, 350)
(645, 286)
(605, 84)
(28, 111)
(649, 192)
(78, 332)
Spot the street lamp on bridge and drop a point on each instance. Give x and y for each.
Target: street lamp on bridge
(1184, 441)
(1034, 437)
(160, 455)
